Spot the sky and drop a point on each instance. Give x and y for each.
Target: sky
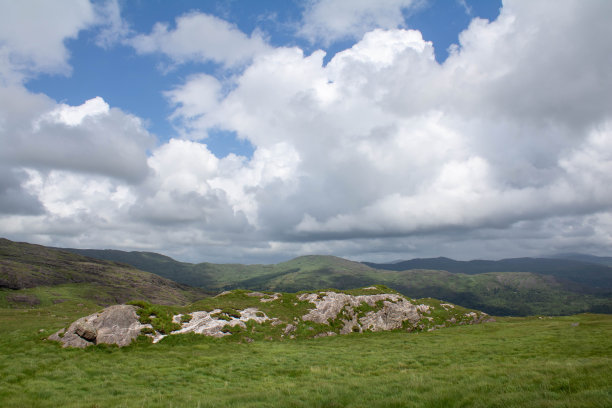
(258, 131)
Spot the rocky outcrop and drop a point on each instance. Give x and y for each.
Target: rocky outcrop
(120, 325)
(209, 324)
(389, 311)
(320, 314)
(117, 324)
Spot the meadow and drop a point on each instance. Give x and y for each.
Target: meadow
(527, 361)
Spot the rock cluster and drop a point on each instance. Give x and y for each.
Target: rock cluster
(206, 323)
(390, 311)
(340, 313)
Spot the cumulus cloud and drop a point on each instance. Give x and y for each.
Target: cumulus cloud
(331, 20)
(391, 143)
(200, 37)
(38, 133)
(13, 198)
(502, 150)
(33, 34)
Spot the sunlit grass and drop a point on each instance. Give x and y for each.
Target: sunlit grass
(513, 362)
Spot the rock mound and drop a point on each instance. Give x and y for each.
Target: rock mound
(266, 316)
(389, 311)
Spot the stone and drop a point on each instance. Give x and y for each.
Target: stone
(325, 334)
(86, 330)
(342, 312)
(395, 310)
(269, 298)
(204, 322)
(29, 300)
(423, 309)
(117, 324)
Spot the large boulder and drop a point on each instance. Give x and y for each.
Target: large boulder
(117, 324)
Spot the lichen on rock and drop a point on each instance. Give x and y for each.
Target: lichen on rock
(390, 311)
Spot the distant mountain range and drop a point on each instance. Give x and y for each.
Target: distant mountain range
(519, 286)
(593, 274)
(601, 260)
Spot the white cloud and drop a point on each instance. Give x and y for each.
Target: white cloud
(392, 143)
(193, 100)
(502, 150)
(201, 37)
(74, 115)
(32, 35)
(536, 64)
(113, 28)
(94, 138)
(331, 20)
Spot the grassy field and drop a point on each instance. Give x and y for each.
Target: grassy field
(533, 362)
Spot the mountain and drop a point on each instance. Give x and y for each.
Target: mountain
(500, 293)
(588, 275)
(158, 264)
(34, 274)
(306, 272)
(601, 260)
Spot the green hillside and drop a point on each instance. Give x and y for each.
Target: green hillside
(158, 264)
(498, 293)
(36, 275)
(592, 276)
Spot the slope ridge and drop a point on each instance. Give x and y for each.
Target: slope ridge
(25, 268)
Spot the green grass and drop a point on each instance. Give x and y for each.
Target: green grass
(531, 362)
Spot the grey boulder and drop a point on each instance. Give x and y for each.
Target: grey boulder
(117, 324)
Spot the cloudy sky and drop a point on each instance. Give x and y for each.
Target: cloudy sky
(257, 131)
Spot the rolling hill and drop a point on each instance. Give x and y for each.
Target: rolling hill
(591, 276)
(601, 260)
(34, 274)
(501, 293)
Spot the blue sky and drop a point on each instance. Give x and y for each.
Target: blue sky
(257, 131)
